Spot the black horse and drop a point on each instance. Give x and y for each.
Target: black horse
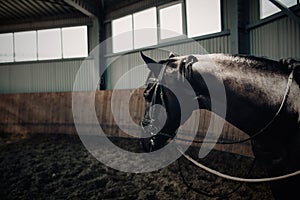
(255, 90)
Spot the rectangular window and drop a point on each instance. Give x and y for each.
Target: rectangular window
(25, 46)
(170, 20)
(267, 8)
(145, 28)
(71, 42)
(74, 42)
(166, 23)
(203, 17)
(122, 34)
(6, 48)
(49, 44)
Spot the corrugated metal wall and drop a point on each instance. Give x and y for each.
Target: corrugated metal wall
(54, 76)
(124, 63)
(276, 39)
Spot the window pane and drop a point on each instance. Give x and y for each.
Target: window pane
(203, 17)
(267, 8)
(6, 48)
(75, 42)
(122, 34)
(171, 21)
(145, 31)
(49, 44)
(25, 46)
(289, 3)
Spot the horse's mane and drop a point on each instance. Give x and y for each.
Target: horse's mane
(245, 62)
(261, 63)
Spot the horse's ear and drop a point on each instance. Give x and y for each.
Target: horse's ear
(172, 55)
(152, 64)
(146, 59)
(191, 59)
(186, 70)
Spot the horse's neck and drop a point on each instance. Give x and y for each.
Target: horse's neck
(253, 96)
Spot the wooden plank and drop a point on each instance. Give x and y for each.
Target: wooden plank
(52, 113)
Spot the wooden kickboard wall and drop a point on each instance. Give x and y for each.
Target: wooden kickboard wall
(51, 113)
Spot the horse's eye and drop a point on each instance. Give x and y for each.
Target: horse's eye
(149, 86)
(172, 65)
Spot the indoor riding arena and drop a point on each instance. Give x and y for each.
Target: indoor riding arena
(73, 98)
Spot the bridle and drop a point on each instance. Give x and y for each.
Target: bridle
(157, 84)
(158, 87)
(147, 123)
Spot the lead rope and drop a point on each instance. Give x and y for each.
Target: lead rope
(220, 196)
(286, 93)
(239, 179)
(225, 176)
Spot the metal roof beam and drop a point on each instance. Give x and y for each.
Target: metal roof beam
(46, 23)
(286, 11)
(88, 7)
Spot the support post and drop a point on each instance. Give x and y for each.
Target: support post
(233, 26)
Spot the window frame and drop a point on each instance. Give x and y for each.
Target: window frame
(172, 40)
(12, 43)
(18, 57)
(86, 36)
(37, 46)
(134, 29)
(132, 34)
(42, 57)
(184, 24)
(274, 14)
(221, 21)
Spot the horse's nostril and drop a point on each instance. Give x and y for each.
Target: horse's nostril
(145, 122)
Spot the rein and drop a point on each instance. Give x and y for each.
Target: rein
(152, 129)
(262, 130)
(158, 80)
(221, 196)
(157, 84)
(238, 179)
(249, 180)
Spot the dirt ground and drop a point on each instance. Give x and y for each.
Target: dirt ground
(44, 166)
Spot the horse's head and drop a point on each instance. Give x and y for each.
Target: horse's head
(164, 93)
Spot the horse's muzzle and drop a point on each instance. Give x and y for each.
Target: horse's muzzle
(147, 144)
(154, 143)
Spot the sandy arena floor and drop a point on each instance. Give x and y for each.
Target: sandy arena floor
(58, 166)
